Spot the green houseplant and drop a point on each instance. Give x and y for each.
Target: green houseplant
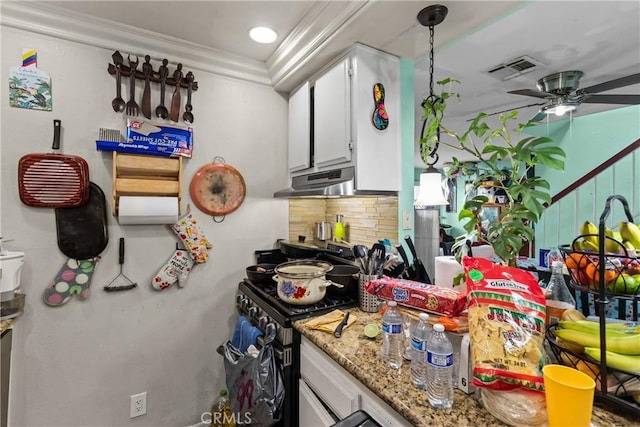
(504, 156)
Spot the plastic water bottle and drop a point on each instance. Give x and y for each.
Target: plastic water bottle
(392, 345)
(439, 369)
(557, 294)
(554, 255)
(419, 340)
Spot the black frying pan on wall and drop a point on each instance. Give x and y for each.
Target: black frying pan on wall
(82, 230)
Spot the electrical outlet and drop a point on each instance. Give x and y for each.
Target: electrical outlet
(138, 404)
(406, 220)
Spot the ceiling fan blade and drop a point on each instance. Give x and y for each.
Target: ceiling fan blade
(511, 109)
(612, 99)
(612, 84)
(530, 92)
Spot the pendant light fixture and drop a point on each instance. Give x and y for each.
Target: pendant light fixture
(431, 183)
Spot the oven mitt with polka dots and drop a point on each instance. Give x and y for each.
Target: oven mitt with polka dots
(192, 238)
(177, 269)
(73, 278)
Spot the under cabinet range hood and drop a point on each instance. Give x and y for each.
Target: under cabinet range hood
(333, 183)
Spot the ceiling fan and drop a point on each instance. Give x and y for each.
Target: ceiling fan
(562, 94)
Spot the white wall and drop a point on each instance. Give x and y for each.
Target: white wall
(77, 365)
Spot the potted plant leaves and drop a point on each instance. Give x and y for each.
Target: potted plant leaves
(508, 158)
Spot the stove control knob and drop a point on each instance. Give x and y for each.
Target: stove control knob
(242, 301)
(271, 328)
(262, 322)
(253, 312)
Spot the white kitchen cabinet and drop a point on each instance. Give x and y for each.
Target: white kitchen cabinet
(339, 390)
(332, 116)
(330, 120)
(300, 129)
(312, 412)
(336, 387)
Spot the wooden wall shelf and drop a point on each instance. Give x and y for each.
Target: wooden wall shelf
(144, 175)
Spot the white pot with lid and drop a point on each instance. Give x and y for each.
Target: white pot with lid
(302, 282)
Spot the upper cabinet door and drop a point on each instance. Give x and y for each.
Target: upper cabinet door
(300, 129)
(332, 116)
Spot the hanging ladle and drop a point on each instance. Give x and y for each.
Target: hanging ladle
(118, 103)
(188, 115)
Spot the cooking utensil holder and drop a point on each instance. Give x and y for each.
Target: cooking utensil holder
(368, 303)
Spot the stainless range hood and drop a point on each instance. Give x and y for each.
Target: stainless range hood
(333, 183)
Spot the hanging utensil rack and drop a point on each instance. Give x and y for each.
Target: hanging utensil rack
(154, 75)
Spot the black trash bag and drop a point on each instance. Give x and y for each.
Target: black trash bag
(255, 384)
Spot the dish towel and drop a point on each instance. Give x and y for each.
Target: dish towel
(330, 321)
(245, 334)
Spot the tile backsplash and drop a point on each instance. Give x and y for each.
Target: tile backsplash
(366, 219)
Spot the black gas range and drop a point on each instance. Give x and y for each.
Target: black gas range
(261, 304)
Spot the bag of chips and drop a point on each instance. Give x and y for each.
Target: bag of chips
(506, 325)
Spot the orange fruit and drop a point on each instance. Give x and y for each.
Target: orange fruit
(609, 276)
(576, 261)
(570, 262)
(592, 274)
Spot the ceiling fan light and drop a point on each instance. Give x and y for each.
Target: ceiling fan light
(560, 109)
(431, 189)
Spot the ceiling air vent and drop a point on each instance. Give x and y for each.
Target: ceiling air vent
(513, 68)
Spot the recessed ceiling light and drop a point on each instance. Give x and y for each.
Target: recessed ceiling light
(263, 35)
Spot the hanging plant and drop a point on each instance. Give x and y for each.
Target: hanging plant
(526, 193)
(450, 171)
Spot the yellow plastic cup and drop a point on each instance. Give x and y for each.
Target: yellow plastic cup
(569, 396)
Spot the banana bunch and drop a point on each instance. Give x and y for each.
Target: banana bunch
(623, 342)
(628, 237)
(589, 233)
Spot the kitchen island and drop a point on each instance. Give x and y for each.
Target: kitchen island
(360, 356)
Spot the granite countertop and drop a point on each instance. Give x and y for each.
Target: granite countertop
(360, 356)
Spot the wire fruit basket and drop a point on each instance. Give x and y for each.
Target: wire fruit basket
(620, 386)
(613, 273)
(608, 275)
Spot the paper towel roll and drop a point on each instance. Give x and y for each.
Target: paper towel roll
(446, 269)
(147, 210)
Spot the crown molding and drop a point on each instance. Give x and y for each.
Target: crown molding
(80, 28)
(320, 24)
(283, 70)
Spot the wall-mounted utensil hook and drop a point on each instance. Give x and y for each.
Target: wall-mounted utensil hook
(163, 77)
(154, 77)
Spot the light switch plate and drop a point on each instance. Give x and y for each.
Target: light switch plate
(406, 220)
